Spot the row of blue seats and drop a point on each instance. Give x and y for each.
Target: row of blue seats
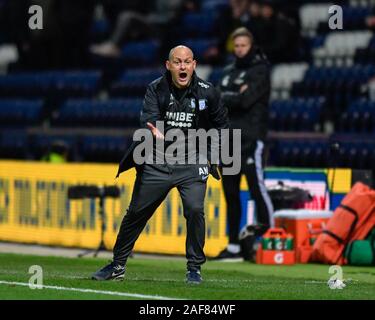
(147, 52)
(365, 55)
(133, 82)
(20, 145)
(20, 112)
(309, 103)
(318, 154)
(103, 148)
(301, 112)
(298, 114)
(199, 24)
(353, 18)
(338, 93)
(112, 113)
(357, 122)
(82, 83)
(362, 105)
(294, 121)
(134, 79)
(143, 52)
(359, 117)
(356, 13)
(357, 72)
(315, 153)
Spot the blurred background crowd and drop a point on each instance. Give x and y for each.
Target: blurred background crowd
(79, 82)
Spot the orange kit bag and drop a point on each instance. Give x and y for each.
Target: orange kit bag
(352, 220)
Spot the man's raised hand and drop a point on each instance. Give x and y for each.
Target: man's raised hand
(155, 131)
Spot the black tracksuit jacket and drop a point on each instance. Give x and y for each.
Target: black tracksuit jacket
(248, 111)
(197, 107)
(201, 100)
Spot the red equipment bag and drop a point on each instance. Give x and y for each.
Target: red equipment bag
(352, 220)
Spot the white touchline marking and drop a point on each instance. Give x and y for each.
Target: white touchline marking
(112, 293)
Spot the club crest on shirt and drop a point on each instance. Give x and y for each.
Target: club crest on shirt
(202, 104)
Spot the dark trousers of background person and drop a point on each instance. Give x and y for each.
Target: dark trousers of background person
(152, 185)
(252, 168)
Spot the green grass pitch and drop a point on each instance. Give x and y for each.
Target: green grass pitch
(69, 278)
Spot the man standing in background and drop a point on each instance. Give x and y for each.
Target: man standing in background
(245, 91)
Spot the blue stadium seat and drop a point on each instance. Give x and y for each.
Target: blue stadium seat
(99, 28)
(51, 83)
(14, 144)
(359, 117)
(306, 153)
(91, 113)
(141, 52)
(104, 148)
(133, 82)
(15, 112)
(214, 5)
(199, 24)
(200, 46)
(298, 114)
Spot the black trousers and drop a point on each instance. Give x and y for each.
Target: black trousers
(252, 168)
(153, 182)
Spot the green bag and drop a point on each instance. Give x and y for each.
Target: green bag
(361, 252)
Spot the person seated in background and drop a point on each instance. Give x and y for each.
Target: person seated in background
(139, 22)
(228, 20)
(275, 32)
(61, 44)
(57, 153)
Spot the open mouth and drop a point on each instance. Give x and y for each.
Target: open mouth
(183, 76)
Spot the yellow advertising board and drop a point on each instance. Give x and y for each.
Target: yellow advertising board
(34, 208)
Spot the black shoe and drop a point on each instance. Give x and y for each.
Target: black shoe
(111, 271)
(226, 255)
(193, 277)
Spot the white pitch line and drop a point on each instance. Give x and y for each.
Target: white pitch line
(111, 293)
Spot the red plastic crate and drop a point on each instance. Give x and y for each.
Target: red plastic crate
(278, 257)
